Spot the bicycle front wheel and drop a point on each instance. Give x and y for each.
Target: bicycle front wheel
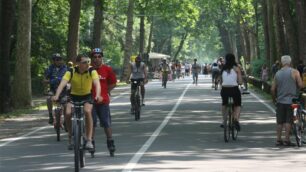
(77, 141)
(137, 107)
(58, 124)
(298, 134)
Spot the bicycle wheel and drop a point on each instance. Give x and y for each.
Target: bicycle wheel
(227, 127)
(58, 124)
(216, 84)
(297, 133)
(76, 140)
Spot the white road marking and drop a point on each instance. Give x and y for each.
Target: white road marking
(264, 103)
(25, 136)
(133, 162)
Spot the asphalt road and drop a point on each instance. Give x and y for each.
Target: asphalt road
(178, 131)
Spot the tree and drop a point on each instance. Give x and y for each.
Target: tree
(6, 25)
(22, 93)
(73, 29)
(128, 41)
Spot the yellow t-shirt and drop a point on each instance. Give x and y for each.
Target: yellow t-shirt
(81, 84)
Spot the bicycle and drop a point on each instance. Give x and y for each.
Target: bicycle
(59, 116)
(78, 135)
(298, 122)
(229, 127)
(136, 99)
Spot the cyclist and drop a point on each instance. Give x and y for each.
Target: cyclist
(81, 78)
(195, 68)
(108, 82)
(137, 72)
(215, 72)
(284, 88)
(165, 70)
(230, 79)
(53, 76)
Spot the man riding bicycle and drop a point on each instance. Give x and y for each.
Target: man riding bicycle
(53, 76)
(137, 72)
(81, 78)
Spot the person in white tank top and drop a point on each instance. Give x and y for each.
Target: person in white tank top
(230, 79)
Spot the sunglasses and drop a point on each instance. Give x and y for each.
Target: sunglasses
(96, 56)
(57, 59)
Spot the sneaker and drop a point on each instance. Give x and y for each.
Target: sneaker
(70, 146)
(89, 145)
(279, 143)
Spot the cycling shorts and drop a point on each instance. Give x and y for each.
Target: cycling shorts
(233, 92)
(86, 98)
(138, 82)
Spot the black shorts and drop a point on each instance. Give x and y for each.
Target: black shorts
(233, 92)
(86, 98)
(284, 113)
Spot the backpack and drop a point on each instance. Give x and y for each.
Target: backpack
(73, 69)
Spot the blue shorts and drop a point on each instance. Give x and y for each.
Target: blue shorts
(102, 112)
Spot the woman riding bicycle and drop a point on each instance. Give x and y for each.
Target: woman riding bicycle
(230, 79)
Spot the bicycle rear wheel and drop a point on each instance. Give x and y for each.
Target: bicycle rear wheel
(77, 140)
(58, 124)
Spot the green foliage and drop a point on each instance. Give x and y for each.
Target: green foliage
(256, 67)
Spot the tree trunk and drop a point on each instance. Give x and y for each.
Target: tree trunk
(224, 37)
(73, 29)
(290, 31)
(266, 29)
(150, 37)
(128, 41)
(277, 31)
(142, 31)
(98, 21)
(6, 25)
(184, 36)
(301, 18)
(22, 94)
(272, 51)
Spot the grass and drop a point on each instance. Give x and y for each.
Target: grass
(260, 92)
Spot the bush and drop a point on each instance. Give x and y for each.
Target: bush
(256, 67)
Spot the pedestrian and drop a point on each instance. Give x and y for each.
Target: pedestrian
(264, 73)
(284, 88)
(275, 67)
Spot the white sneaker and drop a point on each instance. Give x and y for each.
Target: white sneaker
(89, 145)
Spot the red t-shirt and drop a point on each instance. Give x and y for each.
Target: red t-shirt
(107, 77)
